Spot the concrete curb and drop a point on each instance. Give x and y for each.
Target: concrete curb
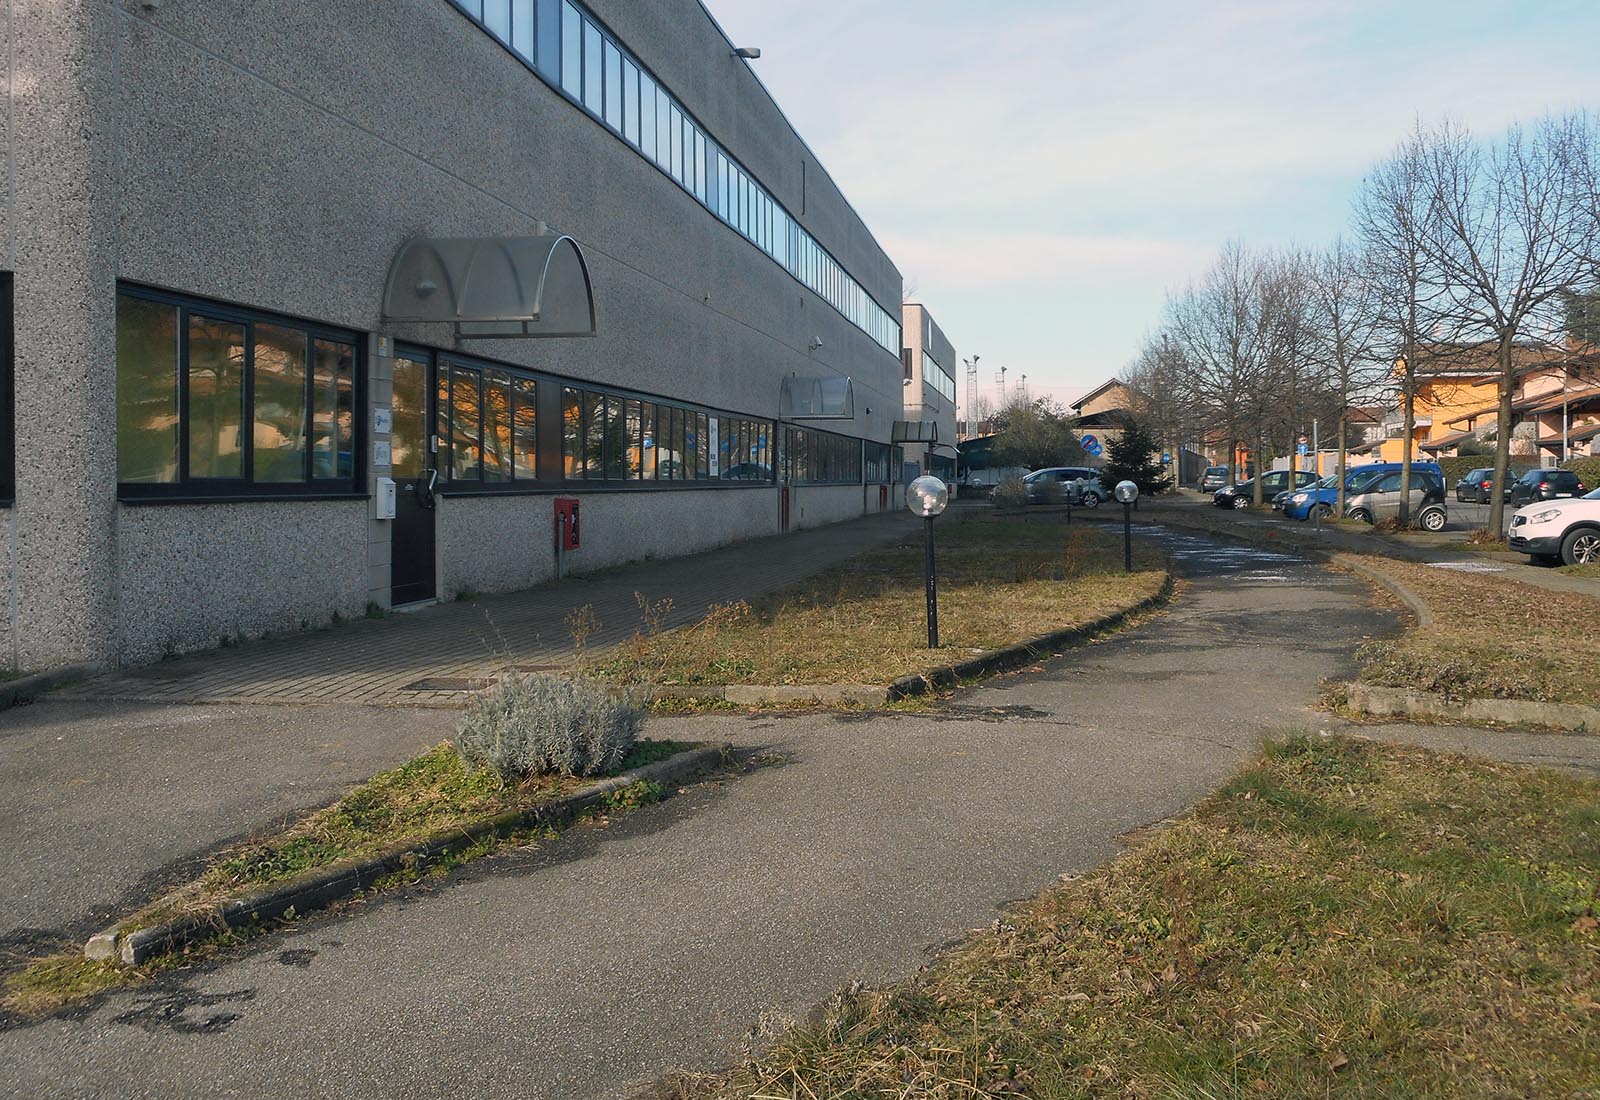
(758, 694)
(319, 889)
(999, 660)
(31, 687)
(1387, 702)
(1400, 591)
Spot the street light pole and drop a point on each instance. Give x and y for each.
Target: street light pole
(927, 496)
(1126, 493)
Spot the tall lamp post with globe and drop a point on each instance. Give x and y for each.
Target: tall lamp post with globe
(1126, 493)
(927, 497)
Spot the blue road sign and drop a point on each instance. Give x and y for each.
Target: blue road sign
(1303, 449)
(1090, 445)
(1166, 457)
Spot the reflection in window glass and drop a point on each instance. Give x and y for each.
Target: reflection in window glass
(592, 86)
(571, 51)
(635, 442)
(647, 116)
(702, 448)
(497, 17)
(594, 436)
(700, 165)
(409, 439)
(630, 100)
(616, 439)
(216, 399)
(522, 27)
(663, 132)
(647, 416)
(571, 434)
(466, 457)
(333, 417)
(679, 450)
(675, 132)
(497, 426)
(280, 404)
(613, 87)
(525, 436)
(147, 391)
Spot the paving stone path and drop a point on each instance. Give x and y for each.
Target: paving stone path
(436, 655)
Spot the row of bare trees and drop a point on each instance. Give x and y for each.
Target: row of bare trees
(1460, 252)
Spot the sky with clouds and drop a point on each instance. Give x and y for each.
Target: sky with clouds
(1044, 172)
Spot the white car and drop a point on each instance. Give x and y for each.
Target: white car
(1559, 530)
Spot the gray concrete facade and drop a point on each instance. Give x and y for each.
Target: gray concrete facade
(274, 156)
(921, 334)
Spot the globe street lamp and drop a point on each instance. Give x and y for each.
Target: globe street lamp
(1127, 492)
(927, 497)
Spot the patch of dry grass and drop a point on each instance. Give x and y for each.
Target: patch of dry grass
(1343, 919)
(863, 622)
(1491, 637)
(396, 809)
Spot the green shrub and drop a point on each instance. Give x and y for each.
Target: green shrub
(1010, 493)
(1588, 471)
(1050, 491)
(533, 725)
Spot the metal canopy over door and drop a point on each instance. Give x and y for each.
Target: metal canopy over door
(411, 548)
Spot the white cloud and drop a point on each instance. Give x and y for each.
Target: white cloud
(1106, 149)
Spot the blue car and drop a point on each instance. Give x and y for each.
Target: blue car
(1325, 493)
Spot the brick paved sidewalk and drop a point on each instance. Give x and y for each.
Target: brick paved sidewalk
(434, 656)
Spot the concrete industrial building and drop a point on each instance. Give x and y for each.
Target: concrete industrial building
(267, 258)
(928, 368)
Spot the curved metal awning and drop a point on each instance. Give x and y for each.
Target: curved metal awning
(914, 431)
(493, 288)
(804, 398)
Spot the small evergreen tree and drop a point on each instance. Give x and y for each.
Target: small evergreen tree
(1134, 457)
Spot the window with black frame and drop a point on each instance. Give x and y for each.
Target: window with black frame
(822, 458)
(487, 424)
(218, 401)
(616, 439)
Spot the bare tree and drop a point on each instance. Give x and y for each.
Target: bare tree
(1215, 326)
(1504, 242)
(1395, 212)
(1345, 327)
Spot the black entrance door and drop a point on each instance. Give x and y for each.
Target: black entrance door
(411, 548)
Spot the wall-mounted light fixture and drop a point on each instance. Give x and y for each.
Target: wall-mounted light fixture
(749, 53)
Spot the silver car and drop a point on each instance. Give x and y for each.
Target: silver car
(1379, 499)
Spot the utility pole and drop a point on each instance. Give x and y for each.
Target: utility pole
(972, 394)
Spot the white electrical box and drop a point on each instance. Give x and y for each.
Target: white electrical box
(385, 498)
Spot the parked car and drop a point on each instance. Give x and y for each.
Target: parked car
(1379, 498)
(1092, 495)
(1325, 495)
(1537, 485)
(1242, 495)
(1213, 479)
(1476, 486)
(1566, 530)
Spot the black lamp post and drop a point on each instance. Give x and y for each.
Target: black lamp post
(1127, 492)
(927, 497)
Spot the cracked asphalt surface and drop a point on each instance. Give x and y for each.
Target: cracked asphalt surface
(848, 848)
